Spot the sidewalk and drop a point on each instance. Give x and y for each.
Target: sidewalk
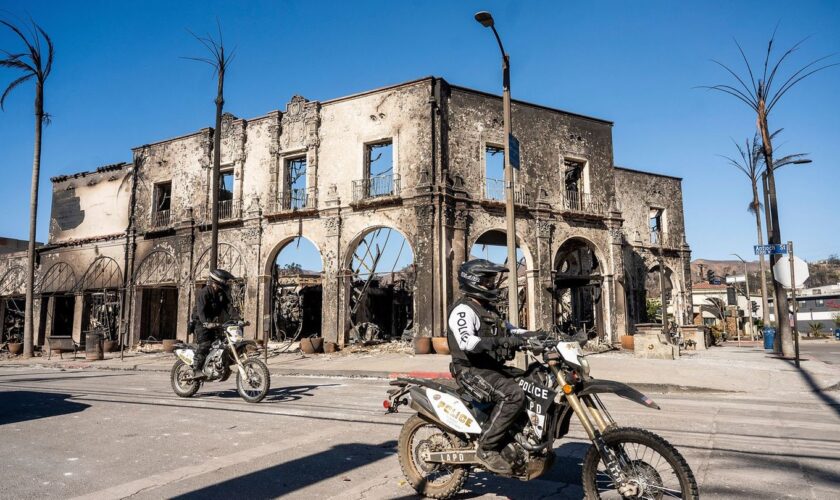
(728, 369)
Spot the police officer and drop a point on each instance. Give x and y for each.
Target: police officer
(212, 308)
(480, 343)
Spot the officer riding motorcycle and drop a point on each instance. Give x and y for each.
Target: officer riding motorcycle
(213, 308)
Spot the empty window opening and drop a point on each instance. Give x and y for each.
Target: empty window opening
(379, 168)
(162, 204)
(101, 314)
(382, 281)
(296, 293)
(226, 185)
(294, 190)
(494, 172)
(492, 246)
(655, 220)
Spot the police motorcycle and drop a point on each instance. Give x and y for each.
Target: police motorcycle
(437, 445)
(228, 353)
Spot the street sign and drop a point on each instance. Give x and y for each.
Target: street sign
(736, 278)
(770, 249)
(514, 151)
(781, 271)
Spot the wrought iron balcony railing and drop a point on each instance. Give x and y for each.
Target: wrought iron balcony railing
(161, 218)
(582, 202)
(228, 210)
(494, 190)
(294, 199)
(664, 239)
(376, 187)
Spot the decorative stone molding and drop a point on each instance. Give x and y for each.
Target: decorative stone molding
(332, 225)
(425, 215)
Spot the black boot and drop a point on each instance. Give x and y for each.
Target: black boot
(492, 460)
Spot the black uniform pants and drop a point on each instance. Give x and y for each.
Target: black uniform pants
(502, 389)
(204, 338)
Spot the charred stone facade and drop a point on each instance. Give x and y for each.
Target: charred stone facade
(135, 236)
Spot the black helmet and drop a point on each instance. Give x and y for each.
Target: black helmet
(221, 278)
(479, 278)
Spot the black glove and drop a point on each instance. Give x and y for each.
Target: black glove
(514, 343)
(211, 326)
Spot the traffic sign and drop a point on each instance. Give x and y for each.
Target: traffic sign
(736, 278)
(781, 271)
(514, 151)
(770, 249)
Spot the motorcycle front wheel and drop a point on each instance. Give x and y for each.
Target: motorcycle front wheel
(254, 386)
(433, 480)
(181, 377)
(654, 468)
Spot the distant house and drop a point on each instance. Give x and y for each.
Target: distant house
(815, 305)
(700, 292)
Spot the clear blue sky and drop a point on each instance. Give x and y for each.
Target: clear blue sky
(119, 82)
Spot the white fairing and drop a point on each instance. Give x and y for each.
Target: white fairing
(185, 355)
(452, 412)
(235, 333)
(570, 352)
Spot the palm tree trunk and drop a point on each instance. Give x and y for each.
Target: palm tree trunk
(28, 330)
(762, 264)
(217, 159)
(774, 237)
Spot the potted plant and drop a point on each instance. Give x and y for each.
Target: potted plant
(15, 343)
(441, 344)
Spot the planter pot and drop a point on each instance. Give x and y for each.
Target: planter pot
(441, 345)
(627, 342)
(311, 345)
(109, 345)
(15, 348)
(330, 347)
(422, 345)
(168, 345)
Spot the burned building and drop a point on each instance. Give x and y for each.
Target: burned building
(393, 188)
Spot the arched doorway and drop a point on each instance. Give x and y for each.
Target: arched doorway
(229, 259)
(156, 297)
(382, 279)
(656, 278)
(578, 288)
(58, 303)
(492, 245)
(296, 290)
(101, 288)
(12, 304)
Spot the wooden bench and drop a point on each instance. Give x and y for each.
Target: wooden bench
(62, 344)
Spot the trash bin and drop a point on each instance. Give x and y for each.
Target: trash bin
(837, 333)
(769, 337)
(93, 346)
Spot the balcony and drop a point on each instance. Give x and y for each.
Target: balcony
(228, 210)
(294, 200)
(160, 219)
(379, 186)
(494, 191)
(664, 239)
(582, 203)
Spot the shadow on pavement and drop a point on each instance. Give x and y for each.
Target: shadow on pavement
(20, 406)
(829, 401)
(288, 477)
(281, 394)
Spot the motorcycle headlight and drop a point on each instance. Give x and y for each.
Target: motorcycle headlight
(584, 365)
(235, 333)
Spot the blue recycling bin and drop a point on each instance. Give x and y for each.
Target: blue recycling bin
(769, 337)
(837, 333)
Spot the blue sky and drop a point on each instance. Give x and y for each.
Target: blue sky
(120, 82)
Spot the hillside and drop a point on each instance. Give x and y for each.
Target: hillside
(823, 272)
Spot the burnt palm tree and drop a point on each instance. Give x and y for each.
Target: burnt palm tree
(750, 162)
(219, 61)
(34, 60)
(761, 88)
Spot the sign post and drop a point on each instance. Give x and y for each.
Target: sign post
(793, 298)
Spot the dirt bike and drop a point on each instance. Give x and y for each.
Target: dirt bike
(228, 352)
(437, 445)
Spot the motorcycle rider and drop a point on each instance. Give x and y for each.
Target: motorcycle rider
(212, 308)
(480, 343)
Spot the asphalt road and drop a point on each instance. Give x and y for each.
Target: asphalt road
(827, 352)
(112, 434)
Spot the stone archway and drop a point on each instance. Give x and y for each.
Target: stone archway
(492, 245)
(156, 297)
(55, 289)
(381, 285)
(296, 292)
(580, 302)
(12, 304)
(101, 290)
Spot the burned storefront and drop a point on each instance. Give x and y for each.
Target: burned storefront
(348, 218)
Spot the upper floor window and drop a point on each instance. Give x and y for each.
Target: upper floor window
(575, 175)
(295, 184)
(656, 221)
(379, 168)
(494, 172)
(226, 185)
(162, 203)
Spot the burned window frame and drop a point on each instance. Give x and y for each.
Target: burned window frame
(368, 161)
(656, 235)
(222, 173)
(287, 185)
(569, 164)
(156, 196)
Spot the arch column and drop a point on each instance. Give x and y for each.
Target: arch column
(543, 298)
(424, 258)
(333, 310)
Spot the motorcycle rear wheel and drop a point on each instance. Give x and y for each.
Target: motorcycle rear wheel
(255, 387)
(181, 379)
(416, 435)
(654, 463)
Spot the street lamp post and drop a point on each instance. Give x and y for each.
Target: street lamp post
(749, 300)
(486, 20)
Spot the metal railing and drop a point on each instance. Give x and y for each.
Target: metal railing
(294, 199)
(160, 218)
(494, 190)
(228, 209)
(583, 202)
(665, 239)
(376, 187)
